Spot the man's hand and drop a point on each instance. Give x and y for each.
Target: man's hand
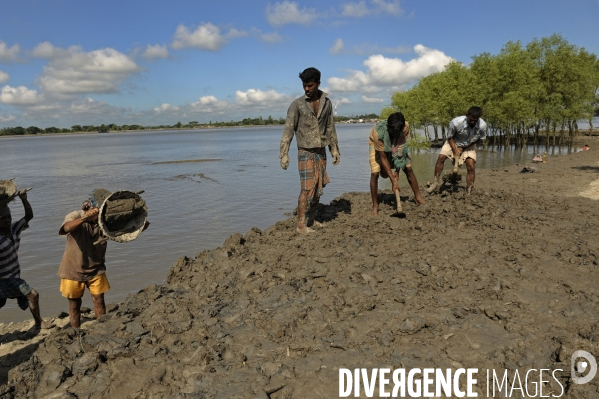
(394, 185)
(23, 195)
(336, 157)
(91, 214)
(285, 161)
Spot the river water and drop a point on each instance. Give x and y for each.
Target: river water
(192, 206)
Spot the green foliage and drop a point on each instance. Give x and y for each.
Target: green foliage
(523, 90)
(417, 143)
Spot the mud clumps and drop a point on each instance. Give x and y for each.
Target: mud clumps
(502, 279)
(121, 211)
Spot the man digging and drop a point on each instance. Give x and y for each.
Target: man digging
(462, 137)
(388, 151)
(310, 118)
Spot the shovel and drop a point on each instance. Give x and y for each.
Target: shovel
(399, 213)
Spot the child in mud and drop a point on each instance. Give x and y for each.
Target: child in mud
(463, 135)
(11, 283)
(310, 118)
(83, 262)
(388, 151)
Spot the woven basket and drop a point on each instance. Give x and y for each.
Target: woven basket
(8, 192)
(123, 216)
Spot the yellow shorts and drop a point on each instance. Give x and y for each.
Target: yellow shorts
(74, 289)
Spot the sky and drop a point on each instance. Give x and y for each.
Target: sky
(67, 62)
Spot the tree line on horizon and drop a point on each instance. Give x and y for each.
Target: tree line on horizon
(528, 93)
(33, 130)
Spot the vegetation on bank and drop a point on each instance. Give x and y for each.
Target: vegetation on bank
(9, 131)
(529, 93)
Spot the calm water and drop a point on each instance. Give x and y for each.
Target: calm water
(192, 206)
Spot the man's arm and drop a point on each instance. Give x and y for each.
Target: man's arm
(290, 128)
(91, 214)
(481, 133)
(387, 168)
(26, 205)
(333, 142)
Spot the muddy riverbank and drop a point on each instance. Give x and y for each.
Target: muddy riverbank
(503, 279)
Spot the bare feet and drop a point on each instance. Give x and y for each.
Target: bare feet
(44, 325)
(374, 212)
(304, 230)
(419, 201)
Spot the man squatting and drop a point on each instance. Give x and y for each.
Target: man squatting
(388, 151)
(464, 133)
(11, 283)
(310, 118)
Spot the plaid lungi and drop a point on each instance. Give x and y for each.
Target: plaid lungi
(312, 166)
(14, 288)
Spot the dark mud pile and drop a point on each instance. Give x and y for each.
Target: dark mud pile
(503, 279)
(121, 210)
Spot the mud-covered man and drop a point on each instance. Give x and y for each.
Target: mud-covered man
(389, 154)
(11, 283)
(83, 262)
(462, 137)
(310, 118)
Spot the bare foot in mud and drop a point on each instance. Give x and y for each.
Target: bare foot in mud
(419, 201)
(44, 325)
(304, 230)
(374, 212)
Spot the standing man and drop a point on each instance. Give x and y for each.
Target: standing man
(388, 151)
(310, 118)
(462, 137)
(83, 262)
(11, 284)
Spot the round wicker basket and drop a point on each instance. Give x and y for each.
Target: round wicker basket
(122, 216)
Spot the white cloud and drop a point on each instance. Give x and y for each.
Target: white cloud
(345, 100)
(372, 100)
(272, 37)
(391, 7)
(9, 54)
(391, 72)
(18, 95)
(361, 9)
(208, 101)
(4, 77)
(77, 72)
(357, 10)
(288, 12)
(258, 97)
(366, 49)
(165, 108)
(7, 118)
(47, 50)
(205, 37)
(155, 51)
(337, 48)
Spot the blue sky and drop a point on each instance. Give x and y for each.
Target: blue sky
(65, 62)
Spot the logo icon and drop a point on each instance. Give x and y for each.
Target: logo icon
(581, 362)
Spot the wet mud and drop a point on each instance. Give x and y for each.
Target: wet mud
(505, 278)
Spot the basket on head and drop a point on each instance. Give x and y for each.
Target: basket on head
(122, 216)
(8, 192)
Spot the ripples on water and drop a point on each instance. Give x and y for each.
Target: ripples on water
(192, 205)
